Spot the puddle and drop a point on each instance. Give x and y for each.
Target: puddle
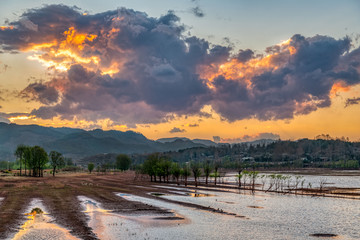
(171, 187)
(196, 194)
(226, 202)
(39, 225)
(156, 194)
(255, 207)
(323, 235)
(109, 225)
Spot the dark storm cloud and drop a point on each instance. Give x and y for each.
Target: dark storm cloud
(245, 55)
(198, 12)
(159, 65)
(177, 130)
(352, 101)
(300, 83)
(156, 72)
(40, 92)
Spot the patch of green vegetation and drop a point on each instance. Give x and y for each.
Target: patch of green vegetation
(37, 211)
(157, 194)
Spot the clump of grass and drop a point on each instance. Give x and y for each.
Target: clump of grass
(36, 211)
(157, 194)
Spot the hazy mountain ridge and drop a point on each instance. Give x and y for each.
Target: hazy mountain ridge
(78, 143)
(205, 142)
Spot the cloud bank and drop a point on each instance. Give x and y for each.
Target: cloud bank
(133, 69)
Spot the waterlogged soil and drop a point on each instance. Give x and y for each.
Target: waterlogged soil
(60, 196)
(39, 225)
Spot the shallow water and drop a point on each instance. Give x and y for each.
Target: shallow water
(40, 226)
(108, 225)
(258, 216)
(268, 216)
(314, 180)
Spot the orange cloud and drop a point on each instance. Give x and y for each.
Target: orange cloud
(339, 87)
(236, 69)
(73, 38)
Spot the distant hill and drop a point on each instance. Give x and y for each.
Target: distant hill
(167, 140)
(261, 142)
(78, 143)
(198, 141)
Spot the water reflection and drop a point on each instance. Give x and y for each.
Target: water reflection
(109, 225)
(194, 193)
(38, 225)
(278, 217)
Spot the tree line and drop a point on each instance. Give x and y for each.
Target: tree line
(33, 160)
(122, 163)
(323, 152)
(161, 168)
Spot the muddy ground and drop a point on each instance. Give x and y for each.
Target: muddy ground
(60, 193)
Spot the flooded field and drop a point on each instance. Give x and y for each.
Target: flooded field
(314, 180)
(204, 213)
(39, 224)
(109, 225)
(261, 216)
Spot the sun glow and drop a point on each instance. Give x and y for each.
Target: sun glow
(23, 117)
(61, 54)
(73, 38)
(6, 27)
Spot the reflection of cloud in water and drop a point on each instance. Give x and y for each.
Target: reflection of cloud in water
(40, 226)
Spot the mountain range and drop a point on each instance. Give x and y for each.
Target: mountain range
(79, 143)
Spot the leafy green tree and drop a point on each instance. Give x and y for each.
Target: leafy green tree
(216, 168)
(28, 158)
(176, 171)
(19, 153)
(253, 175)
(69, 162)
(40, 158)
(165, 165)
(123, 162)
(56, 160)
(207, 171)
(91, 167)
(185, 172)
(150, 166)
(239, 176)
(195, 168)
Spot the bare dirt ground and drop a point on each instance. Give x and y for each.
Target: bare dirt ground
(60, 194)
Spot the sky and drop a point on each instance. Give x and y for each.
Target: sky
(229, 71)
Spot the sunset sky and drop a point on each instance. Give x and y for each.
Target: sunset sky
(238, 70)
